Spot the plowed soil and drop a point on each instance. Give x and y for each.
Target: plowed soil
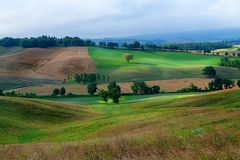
(53, 63)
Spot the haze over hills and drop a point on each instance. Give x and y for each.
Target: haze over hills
(214, 35)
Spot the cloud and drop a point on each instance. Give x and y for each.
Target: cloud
(94, 18)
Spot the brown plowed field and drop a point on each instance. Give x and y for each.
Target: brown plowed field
(166, 85)
(53, 63)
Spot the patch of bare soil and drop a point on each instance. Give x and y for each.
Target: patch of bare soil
(52, 63)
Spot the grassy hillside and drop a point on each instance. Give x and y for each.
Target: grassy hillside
(155, 65)
(196, 127)
(25, 120)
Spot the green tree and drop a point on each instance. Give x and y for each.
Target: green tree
(104, 95)
(92, 88)
(78, 78)
(238, 83)
(128, 57)
(62, 91)
(56, 92)
(102, 44)
(114, 91)
(1, 92)
(155, 89)
(136, 45)
(209, 71)
(140, 88)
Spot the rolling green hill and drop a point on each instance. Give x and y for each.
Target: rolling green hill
(155, 65)
(190, 127)
(25, 120)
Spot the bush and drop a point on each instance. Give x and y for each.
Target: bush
(62, 91)
(238, 83)
(143, 88)
(56, 92)
(209, 71)
(191, 88)
(104, 95)
(219, 84)
(1, 92)
(92, 88)
(70, 95)
(30, 95)
(128, 57)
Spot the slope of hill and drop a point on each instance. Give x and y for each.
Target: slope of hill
(178, 127)
(26, 120)
(156, 65)
(53, 63)
(9, 50)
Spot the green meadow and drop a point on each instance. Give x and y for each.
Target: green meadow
(155, 65)
(198, 122)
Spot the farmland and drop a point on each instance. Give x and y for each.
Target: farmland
(115, 131)
(166, 86)
(156, 65)
(235, 49)
(161, 126)
(52, 63)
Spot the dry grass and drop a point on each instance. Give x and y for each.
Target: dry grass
(216, 145)
(166, 85)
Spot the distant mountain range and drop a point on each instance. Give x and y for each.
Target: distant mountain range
(182, 37)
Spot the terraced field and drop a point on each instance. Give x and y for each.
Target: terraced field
(204, 126)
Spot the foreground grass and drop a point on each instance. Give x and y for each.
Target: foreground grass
(155, 65)
(202, 126)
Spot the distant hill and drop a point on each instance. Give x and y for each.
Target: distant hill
(183, 37)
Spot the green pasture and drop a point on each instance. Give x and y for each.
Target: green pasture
(155, 65)
(29, 121)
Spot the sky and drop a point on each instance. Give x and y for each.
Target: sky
(111, 18)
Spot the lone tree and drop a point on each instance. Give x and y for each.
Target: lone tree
(209, 71)
(114, 91)
(128, 57)
(92, 88)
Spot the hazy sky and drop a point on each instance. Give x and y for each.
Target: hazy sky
(104, 18)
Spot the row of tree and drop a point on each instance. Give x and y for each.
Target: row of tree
(206, 47)
(89, 78)
(48, 41)
(220, 84)
(45, 42)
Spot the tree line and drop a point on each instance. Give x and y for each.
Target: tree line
(49, 41)
(204, 46)
(45, 42)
